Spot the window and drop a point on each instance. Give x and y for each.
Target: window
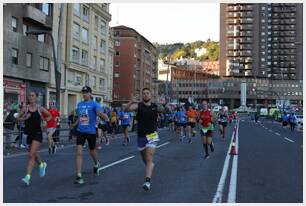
(76, 9)
(117, 53)
(94, 62)
(76, 31)
(117, 64)
(116, 74)
(15, 56)
(24, 29)
(101, 83)
(94, 82)
(14, 24)
(75, 54)
(46, 8)
(85, 13)
(84, 57)
(44, 64)
(78, 79)
(96, 22)
(117, 43)
(103, 28)
(85, 35)
(41, 38)
(29, 59)
(102, 46)
(102, 65)
(94, 43)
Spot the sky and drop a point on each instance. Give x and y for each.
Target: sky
(169, 22)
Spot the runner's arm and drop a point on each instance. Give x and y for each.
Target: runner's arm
(131, 106)
(46, 113)
(103, 116)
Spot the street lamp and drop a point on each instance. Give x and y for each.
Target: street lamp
(56, 69)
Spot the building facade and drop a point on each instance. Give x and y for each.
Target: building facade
(26, 58)
(86, 54)
(135, 65)
(262, 40)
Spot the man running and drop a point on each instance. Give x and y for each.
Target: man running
(51, 126)
(292, 121)
(104, 126)
(222, 120)
(181, 122)
(32, 116)
(125, 118)
(87, 111)
(147, 113)
(207, 127)
(192, 118)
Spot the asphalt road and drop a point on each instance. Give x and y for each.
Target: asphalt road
(269, 170)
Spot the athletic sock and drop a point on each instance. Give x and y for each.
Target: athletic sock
(79, 174)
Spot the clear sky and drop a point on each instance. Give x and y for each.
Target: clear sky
(169, 22)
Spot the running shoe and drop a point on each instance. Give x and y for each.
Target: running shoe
(128, 140)
(54, 149)
(190, 141)
(42, 169)
(206, 157)
(146, 186)
(26, 180)
(79, 180)
(99, 147)
(50, 150)
(96, 169)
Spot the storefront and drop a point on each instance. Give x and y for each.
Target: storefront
(14, 91)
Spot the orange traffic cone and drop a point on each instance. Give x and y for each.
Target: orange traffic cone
(233, 149)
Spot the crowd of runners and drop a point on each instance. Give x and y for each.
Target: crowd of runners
(93, 124)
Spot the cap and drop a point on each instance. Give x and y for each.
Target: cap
(86, 89)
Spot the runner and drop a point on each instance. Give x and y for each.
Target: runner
(114, 121)
(292, 121)
(182, 122)
(207, 127)
(192, 118)
(147, 136)
(51, 126)
(87, 111)
(125, 118)
(285, 119)
(32, 116)
(104, 126)
(222, 120)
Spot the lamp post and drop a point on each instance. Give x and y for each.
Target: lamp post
(56, 69)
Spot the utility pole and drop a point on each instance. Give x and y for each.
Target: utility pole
(58, 62)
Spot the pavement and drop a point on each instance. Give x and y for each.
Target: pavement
(268, 168)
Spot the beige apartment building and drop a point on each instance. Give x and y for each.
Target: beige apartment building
(86, 54)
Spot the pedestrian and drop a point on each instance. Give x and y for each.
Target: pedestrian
(285, 119)
(222, 121)
(51, 126)
(87, 111)
(114, 122)
(32, 115)
(147, 113)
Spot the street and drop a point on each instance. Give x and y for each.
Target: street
(269, 169)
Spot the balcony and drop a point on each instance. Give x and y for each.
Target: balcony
(248, 14)
(36, 16)
(248, 33)
(246, 27)
(232, 8)
(246, 21)
(246, 40)
(246, 8)
(233, 21)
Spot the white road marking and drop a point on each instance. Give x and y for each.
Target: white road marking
(162, 144)
(233, 181)
(288, 139)
(219, 192)
(117, 162)
(278, 134)
(270, 130)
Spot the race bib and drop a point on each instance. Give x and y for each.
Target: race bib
(153, 137)
(84, 120)
(126, 116)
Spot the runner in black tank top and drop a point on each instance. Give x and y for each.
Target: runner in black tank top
(31, 114)
(147, 113)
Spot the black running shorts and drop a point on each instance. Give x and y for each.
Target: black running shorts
(91, 139)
